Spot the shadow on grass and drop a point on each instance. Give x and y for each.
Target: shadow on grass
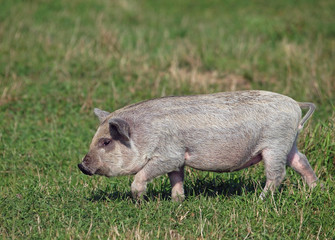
(206, 187)
(214, 187)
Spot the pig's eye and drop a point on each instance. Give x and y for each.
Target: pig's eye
(104, 142)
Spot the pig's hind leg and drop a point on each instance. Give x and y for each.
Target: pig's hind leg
(275, 164)
(300, 164)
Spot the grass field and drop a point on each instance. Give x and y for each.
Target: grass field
(60, 59)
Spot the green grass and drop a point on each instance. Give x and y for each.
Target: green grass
(60, 59)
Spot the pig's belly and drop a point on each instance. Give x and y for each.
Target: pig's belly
(220, 164)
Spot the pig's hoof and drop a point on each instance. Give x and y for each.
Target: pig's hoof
(262, 197)
(178, 198)
(138, 198)
(320, 185)
(317, 184)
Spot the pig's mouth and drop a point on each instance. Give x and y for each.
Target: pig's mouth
(84, 170)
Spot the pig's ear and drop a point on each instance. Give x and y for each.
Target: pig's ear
(119, 129)
(101, 114)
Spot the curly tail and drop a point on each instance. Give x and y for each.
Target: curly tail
(311, 110)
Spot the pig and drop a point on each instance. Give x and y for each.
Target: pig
(220, 132)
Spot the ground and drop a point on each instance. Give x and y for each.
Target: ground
(60, 59)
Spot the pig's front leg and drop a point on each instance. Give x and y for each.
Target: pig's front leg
(139, 185)
(155, 168)
(177, 180)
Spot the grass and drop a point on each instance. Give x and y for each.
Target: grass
(59, 59)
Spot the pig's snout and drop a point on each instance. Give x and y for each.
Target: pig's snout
(86, 165)
(84, 170)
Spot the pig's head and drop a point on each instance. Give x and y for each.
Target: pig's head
(112, 151)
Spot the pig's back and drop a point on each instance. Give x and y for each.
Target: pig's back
(223, 105)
